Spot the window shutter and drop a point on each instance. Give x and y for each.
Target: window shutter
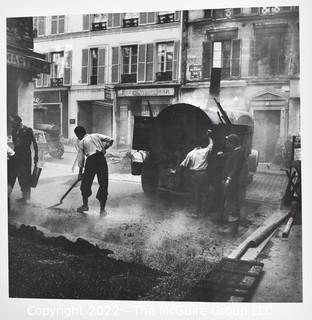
(86, 22)
(116, 20)
(35, 25)
(143, 17)
(149, 62)
(236, 55)
(252, 55)
(115, 64)
(44, 75)
(177, 15)
(175, 60)
(142, 63)
(67, 68)
(61, 24)
(101, 66)
(54, 25)
(151, 17)
(110, 20)
(206, 59)
(48, 58)
(84, 66)
(41, 26)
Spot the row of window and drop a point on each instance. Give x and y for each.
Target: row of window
(103, 21)
(130, 64)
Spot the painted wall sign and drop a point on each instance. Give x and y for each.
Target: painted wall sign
(145, 92)
(28, 63)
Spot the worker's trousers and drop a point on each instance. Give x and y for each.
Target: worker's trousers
(22, 171)
(200, 185)
(95, 165)
(232, 203)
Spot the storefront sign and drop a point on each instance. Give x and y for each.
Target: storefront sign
(146, 92)
(28, 63)
(195, 71)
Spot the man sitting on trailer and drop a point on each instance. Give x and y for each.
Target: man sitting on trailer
(197, 163)
(91, 150)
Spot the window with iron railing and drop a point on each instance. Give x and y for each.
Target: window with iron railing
(93, 66)
(164, 61)
(130, 20)
(99, 22)
(129, 64)
(57, 69)
(165, 17)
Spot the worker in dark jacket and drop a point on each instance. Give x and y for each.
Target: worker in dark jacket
(23, 137)
(234, 161)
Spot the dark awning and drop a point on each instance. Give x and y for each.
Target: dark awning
(28, 60)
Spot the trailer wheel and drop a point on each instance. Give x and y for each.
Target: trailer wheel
(149, 179)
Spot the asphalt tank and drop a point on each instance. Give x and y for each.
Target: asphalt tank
(162, 142)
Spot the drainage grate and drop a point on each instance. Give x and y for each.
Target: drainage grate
(230, 280)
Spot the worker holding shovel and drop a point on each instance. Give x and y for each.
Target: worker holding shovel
(91, 151)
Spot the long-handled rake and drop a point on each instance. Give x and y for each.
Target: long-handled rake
(65, 194)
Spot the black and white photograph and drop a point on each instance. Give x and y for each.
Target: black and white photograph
(154, 156)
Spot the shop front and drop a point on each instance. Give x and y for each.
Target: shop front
(51, 107)
(139, 102)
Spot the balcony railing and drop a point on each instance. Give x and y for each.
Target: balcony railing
(128, 78)
(93, 80)
(164, 76)
(166, 18)
(128, 23)
(56, 82)
(96, 26)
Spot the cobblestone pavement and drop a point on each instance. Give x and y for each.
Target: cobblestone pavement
(267, 187)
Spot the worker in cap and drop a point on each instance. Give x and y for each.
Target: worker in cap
(233, 164)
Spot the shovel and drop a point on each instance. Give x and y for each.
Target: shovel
(65, 194)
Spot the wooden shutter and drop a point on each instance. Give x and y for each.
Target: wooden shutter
(109, 20)
(116, 20)
(54, 25)
(143, 17)
(101, 66)
(86, 22)
(84, 65)
(175, 66)
(206, 59)
(236, 57)
(177, 15)
(115, 64)
(142, 63)
(41, 26)
(149, 62)
(67, 67)
(45, 76)
(151, 17)
(61, 24)
(252, 57)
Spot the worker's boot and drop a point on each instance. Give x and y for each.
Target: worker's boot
(103, 212)
(230, 230)
(84, 207)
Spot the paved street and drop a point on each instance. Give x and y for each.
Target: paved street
(158, 233)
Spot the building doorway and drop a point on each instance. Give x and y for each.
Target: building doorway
(95, 117)
(267, 131)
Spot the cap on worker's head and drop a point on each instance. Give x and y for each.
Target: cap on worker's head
(233, 138)
(80, 131)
